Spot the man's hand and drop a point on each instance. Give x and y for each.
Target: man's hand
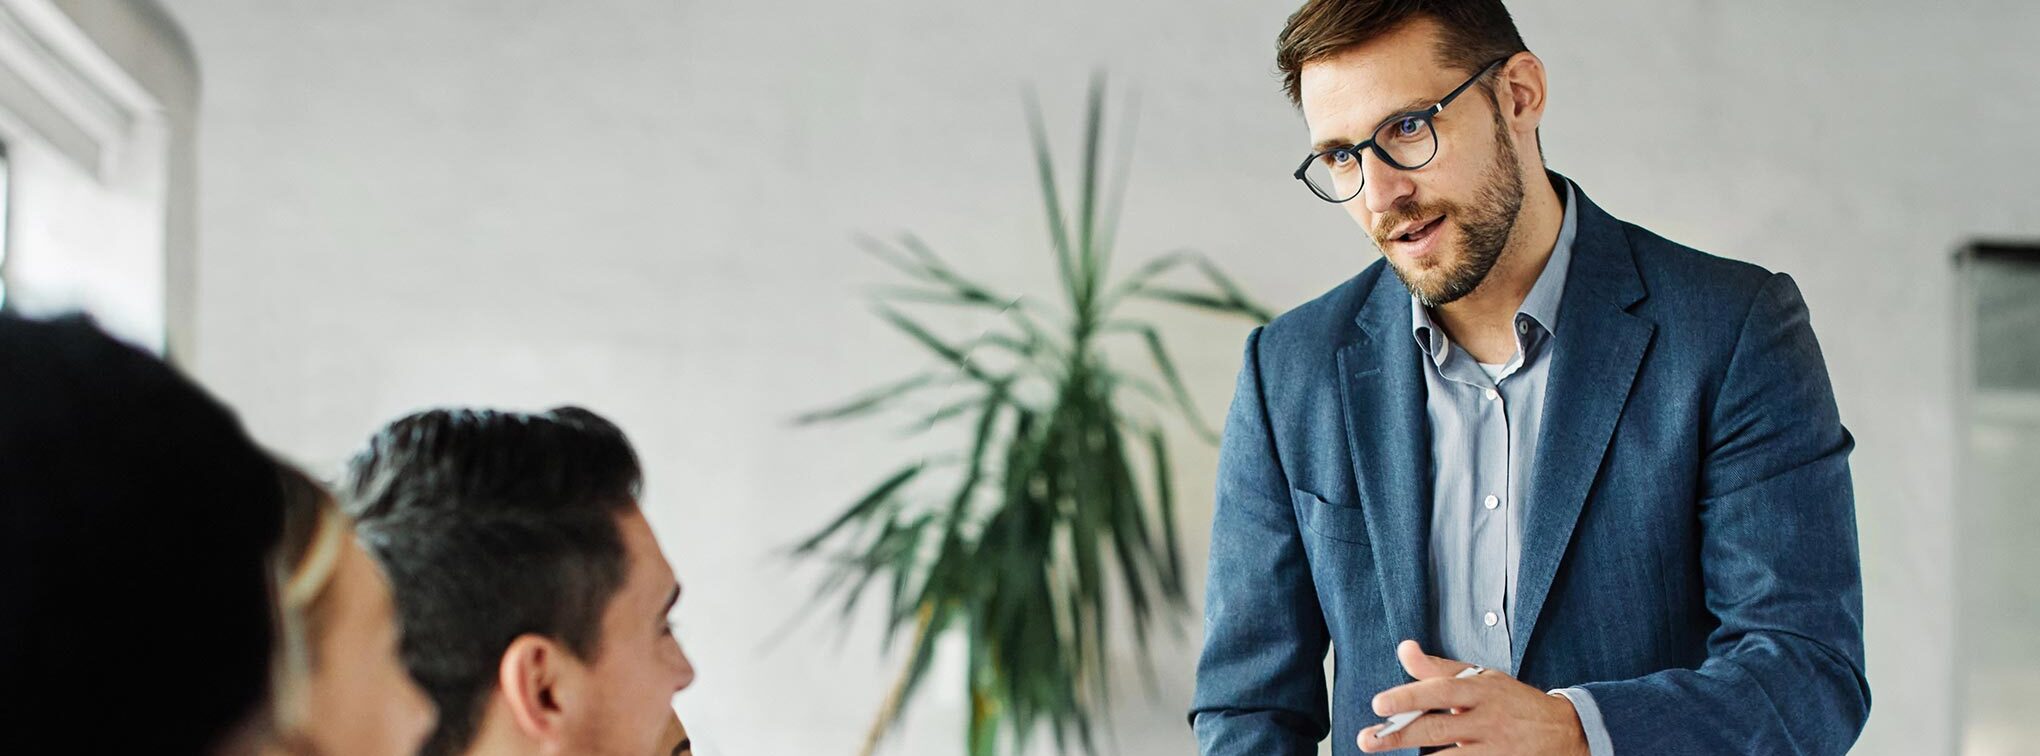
(1491, 713)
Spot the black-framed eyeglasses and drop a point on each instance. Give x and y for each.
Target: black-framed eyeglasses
(1404, 141)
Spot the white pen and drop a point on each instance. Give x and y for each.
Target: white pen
(1398, 721)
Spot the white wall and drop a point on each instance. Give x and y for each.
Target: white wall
(645, 207)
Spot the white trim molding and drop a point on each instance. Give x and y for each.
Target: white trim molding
(55, 81)
(98, 112)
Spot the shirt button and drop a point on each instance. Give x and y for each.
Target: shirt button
(1492, 501)
(1492, 395)
(1522, 326)
(1491, 619)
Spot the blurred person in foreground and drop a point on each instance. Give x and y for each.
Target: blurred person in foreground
(533, 597)
(136, 524)
(341, 688)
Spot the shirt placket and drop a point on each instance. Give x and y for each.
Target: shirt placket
(1490, 546)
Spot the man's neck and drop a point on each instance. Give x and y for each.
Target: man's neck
(1482, 321)
(497, 735)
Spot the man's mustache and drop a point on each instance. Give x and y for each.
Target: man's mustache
(1387, 223)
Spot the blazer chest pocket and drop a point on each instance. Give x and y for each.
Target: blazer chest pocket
(1334, 521)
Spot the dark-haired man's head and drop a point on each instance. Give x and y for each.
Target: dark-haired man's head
(1364, 70)
(533, 596)
(136, 520)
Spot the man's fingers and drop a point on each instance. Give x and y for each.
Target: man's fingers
(1430, 730)
(1436, 689)
(1424, 666)
(1429, 695)
(1368, 742)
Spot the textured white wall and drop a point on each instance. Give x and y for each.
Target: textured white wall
(645, 207)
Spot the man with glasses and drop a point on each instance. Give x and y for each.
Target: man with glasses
(1557, 483)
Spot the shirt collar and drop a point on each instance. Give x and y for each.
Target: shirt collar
(1540, 306)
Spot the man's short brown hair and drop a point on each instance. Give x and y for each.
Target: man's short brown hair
(1475, 32)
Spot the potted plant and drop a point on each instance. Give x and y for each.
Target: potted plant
(1062, 489)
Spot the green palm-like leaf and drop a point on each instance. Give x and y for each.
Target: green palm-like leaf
(1159, 352)
(869, 402)
(1045, 519)
(1045, 165)
(864, 507)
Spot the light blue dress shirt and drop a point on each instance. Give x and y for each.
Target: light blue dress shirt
(1484, 424)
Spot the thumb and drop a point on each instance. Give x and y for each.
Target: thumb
(1423, 666)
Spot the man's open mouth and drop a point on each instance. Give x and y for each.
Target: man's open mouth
(1420, 231)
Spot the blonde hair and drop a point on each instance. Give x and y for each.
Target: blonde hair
(315, 538)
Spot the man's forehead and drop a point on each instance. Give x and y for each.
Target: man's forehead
(647, 555)
(1367, 82)
(1355, 90)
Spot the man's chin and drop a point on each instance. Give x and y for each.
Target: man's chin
(1431, 285)
(1423, 279)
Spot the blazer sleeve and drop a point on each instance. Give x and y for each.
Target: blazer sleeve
(1784, 671)
(1260, 678)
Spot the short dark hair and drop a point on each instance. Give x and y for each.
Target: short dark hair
(1475, 33)
(136, 521)
(492, 525)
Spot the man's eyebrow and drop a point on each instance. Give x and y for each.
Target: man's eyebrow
(1406, 107)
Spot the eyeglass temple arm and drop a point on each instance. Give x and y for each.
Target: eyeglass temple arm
(1433, 110)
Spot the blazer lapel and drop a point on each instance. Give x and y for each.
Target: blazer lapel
(1384, 395)
(1599, 347)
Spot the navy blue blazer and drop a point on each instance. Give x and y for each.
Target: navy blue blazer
(1689, 541)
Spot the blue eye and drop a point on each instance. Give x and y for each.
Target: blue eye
(1409, 127)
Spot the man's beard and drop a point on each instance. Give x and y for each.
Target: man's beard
(1484, 227)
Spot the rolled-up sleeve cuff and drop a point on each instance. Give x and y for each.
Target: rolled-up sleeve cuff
(1590, 720)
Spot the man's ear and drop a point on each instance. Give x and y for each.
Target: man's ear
(1521, 92)
(530, 678)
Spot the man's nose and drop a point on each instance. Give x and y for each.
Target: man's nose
(686, 676)
(1386, 185)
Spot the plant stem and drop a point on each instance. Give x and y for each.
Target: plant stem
(891, 708)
